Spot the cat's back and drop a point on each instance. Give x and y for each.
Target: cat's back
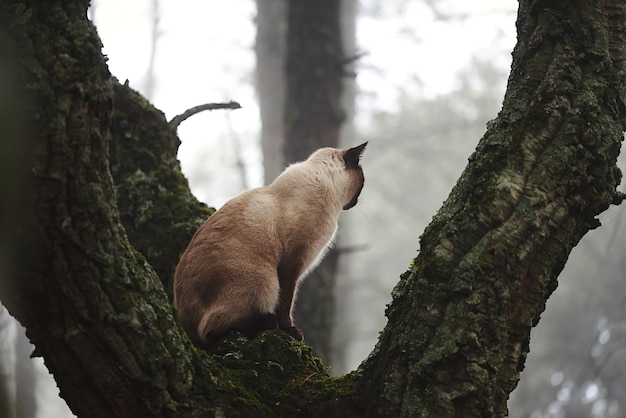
(246, 220)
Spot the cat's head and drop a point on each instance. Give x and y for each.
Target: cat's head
(341, 167)
(351, 158)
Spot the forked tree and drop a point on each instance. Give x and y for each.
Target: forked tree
(97, 210)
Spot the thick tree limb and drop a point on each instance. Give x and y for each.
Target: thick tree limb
(157, 209)
(460, 320)
(92, 305)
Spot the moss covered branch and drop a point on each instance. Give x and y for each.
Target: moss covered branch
(93, 306)
(157, 209)
(460, 320)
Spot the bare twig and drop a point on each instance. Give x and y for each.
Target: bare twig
(178, 119)
(353, 58)
(306, 379)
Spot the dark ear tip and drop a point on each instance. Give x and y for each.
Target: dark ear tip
(358, 150)
(361, 147)
(351, 156)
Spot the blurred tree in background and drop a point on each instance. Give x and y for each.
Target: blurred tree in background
(301, 73)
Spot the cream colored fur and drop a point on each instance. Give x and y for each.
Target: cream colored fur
(248, 258)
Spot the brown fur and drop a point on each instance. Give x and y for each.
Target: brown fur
(242, 268)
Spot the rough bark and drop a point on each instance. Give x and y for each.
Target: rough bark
(460, 319)
(313, 117)
(150, 188)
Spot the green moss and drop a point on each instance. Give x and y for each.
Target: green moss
(271, 375)
(442, 346)
(157, 209)
(318, 395)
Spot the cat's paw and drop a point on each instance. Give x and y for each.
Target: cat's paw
(294, 332)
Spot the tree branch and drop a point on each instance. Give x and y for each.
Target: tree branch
(94, 308)
(178, 119)
(157, 209)
(460, 320)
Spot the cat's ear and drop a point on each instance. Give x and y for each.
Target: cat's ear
(351, 156)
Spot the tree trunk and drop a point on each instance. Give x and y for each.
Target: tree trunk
(460, 318)
(313, 117)
(270, 82)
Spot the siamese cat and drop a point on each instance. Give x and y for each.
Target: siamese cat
(242, 268)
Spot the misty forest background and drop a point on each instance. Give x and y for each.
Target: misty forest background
(407, 83)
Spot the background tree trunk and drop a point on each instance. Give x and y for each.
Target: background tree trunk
(270, 82)
(313, 117)
(347, 138)
(7, 395)
(25, 379)
(460, 319)
(315, 41)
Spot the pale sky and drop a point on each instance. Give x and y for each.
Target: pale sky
(205, 54)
